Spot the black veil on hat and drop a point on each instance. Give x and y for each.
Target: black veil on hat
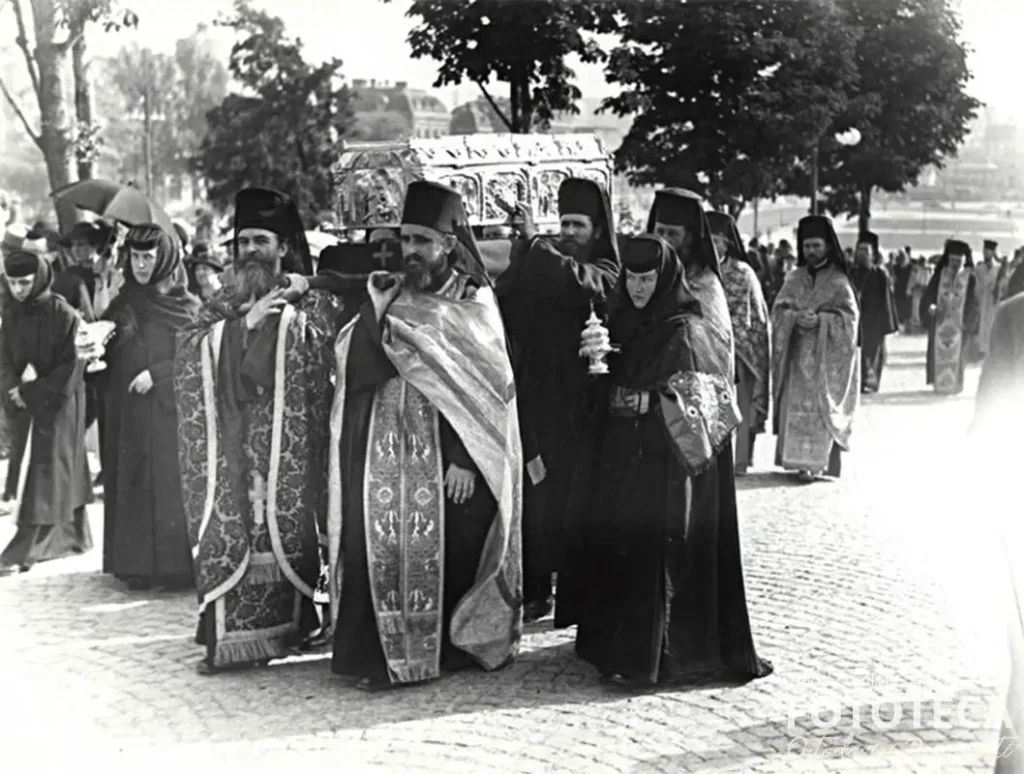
(274, 211)
(955, 246)
(820, 227)
(868, 238)
(723, 224)
(680, 207)
(439, 207)
(580, 196)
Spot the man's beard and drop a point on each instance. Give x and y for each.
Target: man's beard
(574, 249)
(421, 274)
(254, 279)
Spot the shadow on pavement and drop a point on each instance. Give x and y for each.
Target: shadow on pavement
(766, 480)
(919, 397)
(81, 637)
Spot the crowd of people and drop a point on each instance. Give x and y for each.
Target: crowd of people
(400, 455)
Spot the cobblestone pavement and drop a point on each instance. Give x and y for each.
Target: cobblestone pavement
(860, 591)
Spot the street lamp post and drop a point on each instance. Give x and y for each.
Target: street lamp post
(849, 138)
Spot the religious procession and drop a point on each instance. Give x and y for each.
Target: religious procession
(416, 413)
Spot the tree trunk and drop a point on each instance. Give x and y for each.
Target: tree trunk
(525, 104)
(83, 100)
(864, 211)
(51, 60)
(513, 108)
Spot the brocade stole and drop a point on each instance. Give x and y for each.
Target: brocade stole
(751, 331)
(949, 330)
(254, 578)
(451, 358)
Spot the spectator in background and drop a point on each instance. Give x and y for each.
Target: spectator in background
(204, 272)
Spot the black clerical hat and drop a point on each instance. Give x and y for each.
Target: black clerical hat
(675, 207)
(723, 224)
(868, 238)
(991, 244)
(275, 212)
(957, 246)
(578, 196)
(433, 205)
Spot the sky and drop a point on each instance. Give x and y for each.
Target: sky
(370, 37)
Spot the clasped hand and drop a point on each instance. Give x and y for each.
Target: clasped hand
(807, 319)
(595, 342)
(15, 396)
(382, 297)
(142, 383)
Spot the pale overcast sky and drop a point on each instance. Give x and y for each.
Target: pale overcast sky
(370, 36)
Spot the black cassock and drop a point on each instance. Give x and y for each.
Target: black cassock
(877, 320)
(51, 514)
(357, 649)
(545, 300)
(663, 597)
(659, 589)
(144, 533)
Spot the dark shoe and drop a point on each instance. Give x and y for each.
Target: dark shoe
(205, 668)
(319, 639)
(621, 682)
(371, 685)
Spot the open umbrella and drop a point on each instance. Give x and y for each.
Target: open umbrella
(123, 203)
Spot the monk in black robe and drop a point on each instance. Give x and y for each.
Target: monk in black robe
(425, 474)
(665, 599)
(43, 385)
(546, 295)
(144, 518)
(877, 311)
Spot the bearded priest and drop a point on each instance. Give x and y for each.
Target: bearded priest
(426, 465)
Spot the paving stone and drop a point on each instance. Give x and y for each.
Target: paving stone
(859, 590)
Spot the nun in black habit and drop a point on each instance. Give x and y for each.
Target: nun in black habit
(44, 387)
(659, 549)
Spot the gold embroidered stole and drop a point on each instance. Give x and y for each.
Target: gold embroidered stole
(949, 330)
(403, 503)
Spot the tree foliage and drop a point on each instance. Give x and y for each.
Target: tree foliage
(281, 131)
(911, 105)
(176, 90)
(732, 98)
(726, 95)
(523, 44)
(46, 32)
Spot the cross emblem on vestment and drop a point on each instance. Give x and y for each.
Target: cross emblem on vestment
(258, 495)
(382, 255)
